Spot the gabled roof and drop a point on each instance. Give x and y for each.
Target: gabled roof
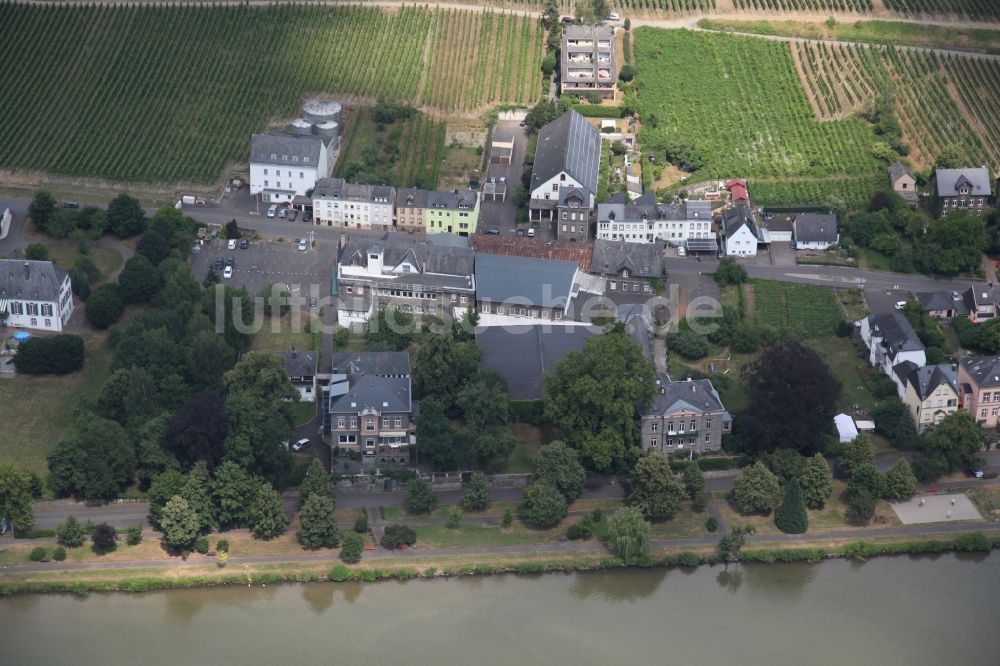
(941, 301)
(30, 280)
(456, 200)
(571, 144)
(411, 197)
(984, 370)
(979, 295)
(515, 246)
(383, 364)
(738, 190)
(949, 180)
(816, 228)
(383, 394)
(739, 216)
(425, 256)
(641, 259)
(338, 188)
(897, 170)
(566, 193)
(696, 395)
(538, 282)
(285, 150)
(927, 379)
(896, 332)
(298, 363)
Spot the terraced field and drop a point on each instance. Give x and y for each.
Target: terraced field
(172, 94)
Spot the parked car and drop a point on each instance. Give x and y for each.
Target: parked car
(232, 244)
(900, 305)
(301, 444)
(219, 263)
(196, 249)
(228, 273)
(312, 301)
(71, 204)
(272, 211)
(681, 252)
(302, 245)
(613, 16)
(492, 232)
(292, 214)
(567, 19)
(282, 213)
(307, 217)
(230, 261)
(531, 233)
(244, 243)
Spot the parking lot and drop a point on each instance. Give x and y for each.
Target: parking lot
(500, 215)
(306, 273)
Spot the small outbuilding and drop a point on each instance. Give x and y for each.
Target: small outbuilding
(847, 431)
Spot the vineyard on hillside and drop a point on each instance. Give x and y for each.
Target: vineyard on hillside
(940, 99)
(405, 153)
(738, 103)
(863, 6)
(148, 94)
(977, 10)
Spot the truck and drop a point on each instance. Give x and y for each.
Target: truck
(187, 200)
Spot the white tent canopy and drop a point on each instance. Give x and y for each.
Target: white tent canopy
(846, 429)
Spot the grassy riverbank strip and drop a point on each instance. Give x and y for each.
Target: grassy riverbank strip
(889, 33)
(83, 581)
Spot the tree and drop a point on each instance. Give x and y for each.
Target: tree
(265, 514)
(493, 446)
(316, 482)
(729, 271)
(542, 114)
(231, 490)
(351, 548)
(548, 63)
(816, 482)
(318, 523)
(785, 463)
(856, 454)
(130, 397)
(398, 535)
(628, 535)
(104, 539)
(791, 517)
(861, 508)
(36, 252)
(94, 460)
(441, 368)
(41, 209)
(866, 479)
(420, 498)
(560, 466)
(655, 491)
(688, 344)
(477, 494)
(277, 300)
(626, 73)
(757, 489)
(198, 430)
(894, 421)
(952, 156)
(104, 306)
(484, 401)
(71, 533)
(900, 482)
(197, 492)
(956, 442)
(390, 330)
(454, 517)
(952, 245)
(788, 378)
(542, 505)
(694, 481)
(730, 545)
(163, 486)
(56, 355)
(154, 246)
(231, 230)
(126, 218)
(15, 496)
(179, 524)
(594, 394)
(227, 307)
(208, 357)
(138, 281)
(261, 375)
(437, 439)
(600, 9)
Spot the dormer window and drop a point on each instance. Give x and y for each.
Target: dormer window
(373, 257)
(284, 158)
(625, 273)
(274, 156)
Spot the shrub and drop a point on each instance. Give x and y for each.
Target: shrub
(626, 73)
(477, 495)
(454, 517)
(36, 252)
(508, 518)
(580, 531)
(104, 538)
(222, 546)
(756, 490)
(59, 554)
(420, 498)
(711, 524)
(369, 575)
(133, 536)
(38, 554)
(351, 548)
(791, 516)
(71, 533)
(542, 505)
(339, 573)
(104, 306)
(57, 355)
(973, 542)
(361, 524)
(688, 344)
(688, 559)
(861, 508)
(628, 535)
(201, 545)
(398, 535)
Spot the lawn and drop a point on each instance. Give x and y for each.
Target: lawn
(284, 334)
(304, 412)
(987, 500)
(840, 355)
(106, 259)
(685, 525)
(529, 438)
(471, 534)
(37, 410)
(810, 308)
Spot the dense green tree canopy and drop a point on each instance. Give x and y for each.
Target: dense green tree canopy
(318, 523)
(655, 490)
(435, 436)
(94, 460)
(816, 482)
(442, 367)
(757, 489)
(791, 516)
(542, 505)
(15, 496)
(956, 441)
(628, 535)
(138, 281)
(560, 465)
(477, 494)
(316, 482)
(179, 524)
(265, 515)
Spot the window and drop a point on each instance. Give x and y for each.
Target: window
(986, 396)
(708, 439)
(982, 413)
(398, 421)
(46, 309)
(692, 426)
(670, 427)
(555, 187)
(354, 423)
(340, 422)
(994, 411)
(708, 423)
(654, 442)
(369, 425)
(301, 175)
(654, 427)
(385, 421)
(32, 308)
(17, 308)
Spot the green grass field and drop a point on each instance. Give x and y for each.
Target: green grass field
(106, 260)
(37, 410)
(172, 94)
(812, 309)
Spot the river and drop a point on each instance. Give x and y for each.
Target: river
(912, 611)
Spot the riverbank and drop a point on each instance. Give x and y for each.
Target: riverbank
(402, 566)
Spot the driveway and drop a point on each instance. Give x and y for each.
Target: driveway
(496, 214)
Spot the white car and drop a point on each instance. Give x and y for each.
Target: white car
(302, 245)
(232, 244)
(272, 211)
(228, 273)
(301, 444)
(681, 252)
(531, 233)
(283, 213)
(900, 305)
(613, 16)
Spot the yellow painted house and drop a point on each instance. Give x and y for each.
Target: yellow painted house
(455, 212)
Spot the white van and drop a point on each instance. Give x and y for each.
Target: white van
(272, 211)
(613, 16)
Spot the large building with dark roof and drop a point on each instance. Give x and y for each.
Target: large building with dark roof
(686, 416)
(979, 386)
(369, 406)
(337, 203)
(587, 60)
(627, 267)
(35, 294)
(964, 190)
(890, 340)
(567, 160)
(931, 393)
(685, 225)
(300, 366)
(512, 288)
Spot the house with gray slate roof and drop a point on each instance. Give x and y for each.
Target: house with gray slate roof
(283, 166)
(645, 221)
(686, 416)
(337, 203)
(979, 386)
(300, 366)
(742, 235)
(903, 182)
(511, 288)
(369, 406)
(889, 340)
(627, 267)
(963, 189)
(942, 304)
(931, 394)
(815, 231)
(567, 157)
(400, 273)
(34, 294)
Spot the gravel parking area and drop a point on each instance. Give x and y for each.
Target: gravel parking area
(936, 509)
(307, 273)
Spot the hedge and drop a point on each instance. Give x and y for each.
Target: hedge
(527, 411)
(711, 464)
(56, 355)
(599, 111)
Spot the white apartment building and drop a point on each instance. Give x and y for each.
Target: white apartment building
(646, 223)
(338, 203)
(35, 294)
(283, 166)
